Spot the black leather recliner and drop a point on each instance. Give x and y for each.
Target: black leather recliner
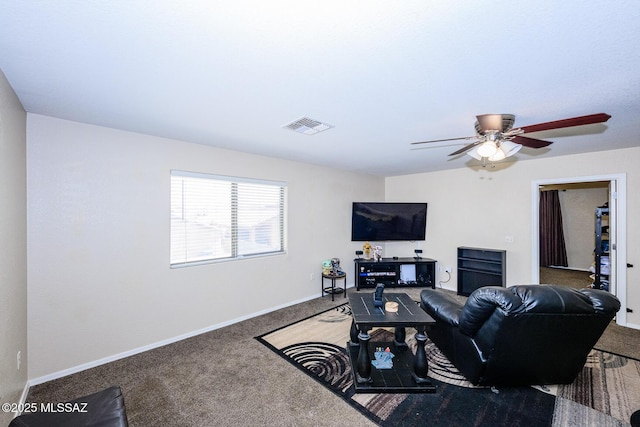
(521, 335)
(102, 409)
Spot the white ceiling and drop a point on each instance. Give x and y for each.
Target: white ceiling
(383, 73)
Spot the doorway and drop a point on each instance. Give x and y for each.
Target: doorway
(617, 231)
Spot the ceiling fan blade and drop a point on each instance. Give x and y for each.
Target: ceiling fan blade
(465, 148)
(565, 123)
(441, 140)
(525, 141)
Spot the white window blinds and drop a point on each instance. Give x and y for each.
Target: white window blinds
(215, 217)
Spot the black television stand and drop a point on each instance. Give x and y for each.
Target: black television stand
(395, 272)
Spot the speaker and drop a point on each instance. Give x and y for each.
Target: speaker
(424, 279)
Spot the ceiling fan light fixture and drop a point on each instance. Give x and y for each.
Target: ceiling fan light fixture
(474, 153)
(509, 148)
(487, 148)
(497, 156)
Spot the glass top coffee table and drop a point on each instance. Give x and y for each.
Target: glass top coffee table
(409, 372)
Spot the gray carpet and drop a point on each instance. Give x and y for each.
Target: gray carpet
(224, 378)
(220, 378)
(561, 276)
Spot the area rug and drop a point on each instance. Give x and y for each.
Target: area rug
(606, 392)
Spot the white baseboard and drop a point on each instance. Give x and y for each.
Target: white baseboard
(631, 325)
(23, 398)
(93, 364)
(561, 267)
(25, 391)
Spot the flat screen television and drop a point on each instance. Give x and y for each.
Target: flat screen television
(388, 221)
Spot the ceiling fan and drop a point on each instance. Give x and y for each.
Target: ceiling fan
(496, 138)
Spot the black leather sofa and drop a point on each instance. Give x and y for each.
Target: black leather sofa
(520, 335)
(102, 409)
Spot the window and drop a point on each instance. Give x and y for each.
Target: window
(217, 217)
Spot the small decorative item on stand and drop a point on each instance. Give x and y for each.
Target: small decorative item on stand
(335, 267)
(367, 250)
(377, 253)
(359, 254)
(326, 267)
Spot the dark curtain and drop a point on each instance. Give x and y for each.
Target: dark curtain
(552, 247)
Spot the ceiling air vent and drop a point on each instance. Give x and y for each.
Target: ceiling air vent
(307, 126)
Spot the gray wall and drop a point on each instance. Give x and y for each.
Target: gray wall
(100, 285)
(13, 262)
(578, 219)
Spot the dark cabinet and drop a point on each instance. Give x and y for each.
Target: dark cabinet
(479, 267)
(395, 273)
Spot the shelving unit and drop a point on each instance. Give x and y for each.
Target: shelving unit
(395, 273)
(602, 261)
(478, 267)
